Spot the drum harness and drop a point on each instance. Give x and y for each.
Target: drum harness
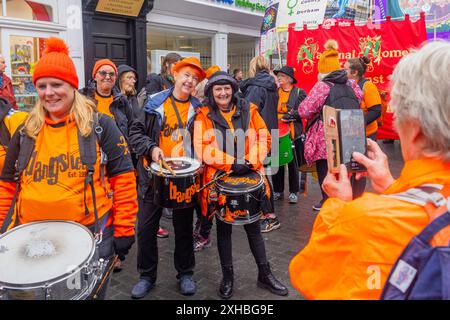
(88, 155)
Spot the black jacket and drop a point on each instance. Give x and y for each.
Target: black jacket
(133, 99)
(120, 107)
(262, 91)
(296, 97)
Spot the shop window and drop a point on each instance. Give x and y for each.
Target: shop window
(25, 52)
(241, 49)
(27, 10)
(187, 43)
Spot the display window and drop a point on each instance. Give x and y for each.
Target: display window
(24, 53)
(38, 10)
(186, 43)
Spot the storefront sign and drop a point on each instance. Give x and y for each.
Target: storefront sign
(121, 7)
(251, 5)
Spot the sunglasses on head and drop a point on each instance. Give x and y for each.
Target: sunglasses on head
(104, 74)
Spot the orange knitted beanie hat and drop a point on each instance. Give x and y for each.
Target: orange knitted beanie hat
(56, 63)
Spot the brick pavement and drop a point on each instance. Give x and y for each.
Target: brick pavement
(281, 246)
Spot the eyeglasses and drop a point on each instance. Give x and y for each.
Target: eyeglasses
(131, 78)
(112, 74)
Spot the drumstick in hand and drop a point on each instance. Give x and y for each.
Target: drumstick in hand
(168, 167)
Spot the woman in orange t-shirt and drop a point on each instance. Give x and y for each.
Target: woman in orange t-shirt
(53, 182)
(371, 103)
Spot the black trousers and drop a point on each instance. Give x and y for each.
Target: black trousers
(254, 237)
(149, 215)
(278, 178)
(322, 171)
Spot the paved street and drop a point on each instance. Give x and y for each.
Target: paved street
(281, 246)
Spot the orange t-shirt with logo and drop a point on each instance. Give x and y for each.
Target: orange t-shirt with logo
(171, 137)
(371, 98)
(283, 98)
(103, 104)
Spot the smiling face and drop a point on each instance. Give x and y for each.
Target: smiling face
(222, 95)
(57, 96)
(105, 78)
(186, 79)
(284, 81)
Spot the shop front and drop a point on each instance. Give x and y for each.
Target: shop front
(223, 33)
(24, 26)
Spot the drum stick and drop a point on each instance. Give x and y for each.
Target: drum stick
(160, 167)
(168, 167)
(215, 180)
(105, 278)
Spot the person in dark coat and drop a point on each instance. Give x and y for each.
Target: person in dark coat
(261, 90)
(127, 84)
(158, 82)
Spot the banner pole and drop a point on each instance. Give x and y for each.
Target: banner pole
(279, 50)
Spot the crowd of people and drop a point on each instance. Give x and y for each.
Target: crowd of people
(173, 115)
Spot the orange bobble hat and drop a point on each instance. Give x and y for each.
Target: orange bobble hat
(211, 70)
(101, 63)
(56, 63)
(329, 60)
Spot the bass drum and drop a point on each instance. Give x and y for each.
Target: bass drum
(49, 260)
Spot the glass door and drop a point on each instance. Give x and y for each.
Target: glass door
(24, 49)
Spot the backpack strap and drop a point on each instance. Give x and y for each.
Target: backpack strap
(88, 155)
(423, 195)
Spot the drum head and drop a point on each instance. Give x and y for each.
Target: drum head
(180, 165)
(245, 182)
(42, 251)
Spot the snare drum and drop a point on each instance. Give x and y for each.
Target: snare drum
(179, 191)
(49, 260)
(238, 197)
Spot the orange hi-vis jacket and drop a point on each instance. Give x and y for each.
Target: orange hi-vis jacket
(12, 121)
(354, 245)
(53, 185)
(213, 156)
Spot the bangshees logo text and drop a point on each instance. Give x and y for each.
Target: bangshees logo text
(50, 171)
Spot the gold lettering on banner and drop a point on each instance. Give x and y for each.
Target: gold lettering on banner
(130, 8)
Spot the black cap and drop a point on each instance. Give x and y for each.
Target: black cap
(289, 71)
(221, 76)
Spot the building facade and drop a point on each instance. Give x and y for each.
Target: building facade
(24, 25)
(220, 32)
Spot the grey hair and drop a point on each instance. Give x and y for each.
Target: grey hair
(421, 92)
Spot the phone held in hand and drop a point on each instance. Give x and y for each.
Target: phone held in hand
(345, 133)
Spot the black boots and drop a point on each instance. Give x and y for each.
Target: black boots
(226, 286)
(267, 280)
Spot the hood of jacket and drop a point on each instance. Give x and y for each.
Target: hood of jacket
(126, 68)
(262, 79)
(339, 76)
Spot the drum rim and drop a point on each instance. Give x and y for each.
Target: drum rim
(240, 223)
(50, 282)
(195, 163)
(233, 191)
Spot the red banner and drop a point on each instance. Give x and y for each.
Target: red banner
(384, 44)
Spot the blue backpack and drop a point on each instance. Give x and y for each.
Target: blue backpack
(422, 272)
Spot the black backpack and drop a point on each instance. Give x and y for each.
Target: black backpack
(341, 96)
(88, 155)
